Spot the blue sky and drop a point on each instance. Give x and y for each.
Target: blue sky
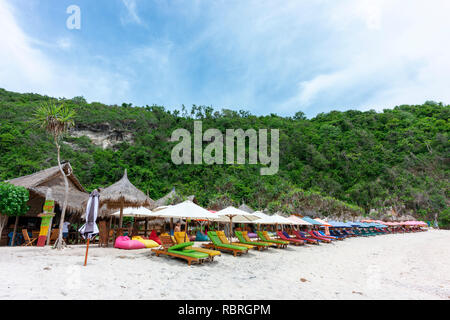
(262, 56)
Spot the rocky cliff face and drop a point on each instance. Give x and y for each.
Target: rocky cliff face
(102, 134)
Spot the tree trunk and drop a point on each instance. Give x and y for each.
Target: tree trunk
(15, 230)
(3, 222)
(59, 243)
(121, 214)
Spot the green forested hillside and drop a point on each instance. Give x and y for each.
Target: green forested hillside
(347, 162)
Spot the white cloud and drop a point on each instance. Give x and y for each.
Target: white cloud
(25, 67)
(384, 53)
(262, 56)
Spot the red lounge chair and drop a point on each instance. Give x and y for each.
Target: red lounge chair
(296, 242)
(308, 239)
(319, 238)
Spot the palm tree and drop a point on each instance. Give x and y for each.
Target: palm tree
(56, 120)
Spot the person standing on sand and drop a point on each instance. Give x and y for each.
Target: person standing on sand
(66, 230)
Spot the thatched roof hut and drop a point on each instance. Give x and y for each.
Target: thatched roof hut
(38, 183)
(123, 194)
(246, 208)
(171, 198)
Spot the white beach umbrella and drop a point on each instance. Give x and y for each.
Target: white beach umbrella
(161, 208)
(299, 221)
(236, 215)
(140, 212)
(264, 218)
(281, 220)
(185, 210)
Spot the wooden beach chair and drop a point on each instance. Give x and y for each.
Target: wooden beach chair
(243, 238)
(180, 237)
(224, 239)
(26, 237)
(311, 233)
(285, 236)
(219, 245)
(179, 251)
(305, 237)
(265, 237)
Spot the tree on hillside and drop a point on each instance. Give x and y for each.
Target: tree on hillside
(56, 120)
(13, 203)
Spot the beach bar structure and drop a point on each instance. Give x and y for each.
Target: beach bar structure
(38, 184)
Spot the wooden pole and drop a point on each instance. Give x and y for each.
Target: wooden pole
(146, 227)
(87, 249)
(15, 230)
(121, 214)
(231, 228)
(109, 230)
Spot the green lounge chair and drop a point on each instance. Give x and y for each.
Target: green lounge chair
(180, 251)
(243, 238)
(264, 236)
(360, 233)
(216, 244)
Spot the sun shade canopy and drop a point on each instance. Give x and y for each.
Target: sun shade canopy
(140, 212)
(186, 209)
(263, 218)
(236, 215)
(281, 220)
(299, 221)
(324, 223)
(312, 221)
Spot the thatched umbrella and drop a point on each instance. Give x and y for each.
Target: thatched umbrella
(124, 194)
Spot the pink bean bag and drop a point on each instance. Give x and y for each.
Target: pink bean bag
(128, 244)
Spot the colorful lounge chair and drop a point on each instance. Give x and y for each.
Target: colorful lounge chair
(303, 237)
(332, 237)
(264, 236)
(180, 237)
(219, 245)
(319, 238)
(285, 236)
(224, 239)
(359, 233)
(334, 234)
(243, 238)
(180, 251)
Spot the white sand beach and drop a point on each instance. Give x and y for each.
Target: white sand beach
(398, 266)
